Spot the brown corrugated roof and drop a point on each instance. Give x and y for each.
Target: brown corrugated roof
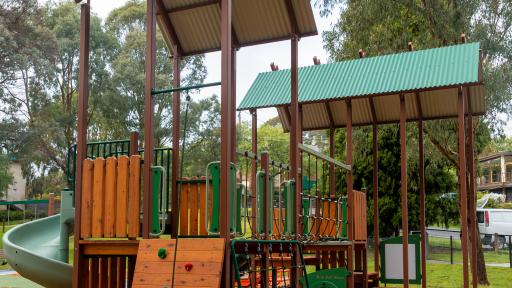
(194, 25)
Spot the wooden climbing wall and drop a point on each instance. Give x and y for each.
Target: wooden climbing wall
(205, 257)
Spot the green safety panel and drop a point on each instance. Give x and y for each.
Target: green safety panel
(235, 206)
(158, 187)
(289, 203)
(413, 240)
(260, 177)
(328, 278)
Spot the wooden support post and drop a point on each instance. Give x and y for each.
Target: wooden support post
(226, 131)
(51, 204)
(149, 107)
(80, 268)
(254, 144)
(134, 143)
(350, 195)
(462, 185)
(403, 177)
(294, 148)
(375, 172)
(175, 174)
(472, 196)
(332, 182)
(423, 224)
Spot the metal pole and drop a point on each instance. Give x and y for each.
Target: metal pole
(149, 115)
(375, 159)
(510, 250)
(79, 269)
(462, 185)
(176, 102)
(350, 194)
(185, 88)
(423, 222)
(226, 131)
(233, 105)
(451, 249)
(403, 178)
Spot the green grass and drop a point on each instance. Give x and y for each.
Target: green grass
(439, 249)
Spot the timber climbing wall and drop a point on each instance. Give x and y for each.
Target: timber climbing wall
(199, 262)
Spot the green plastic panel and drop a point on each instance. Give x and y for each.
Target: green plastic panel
(155, 199)
(260, 177)
(289, 203)
(328, 278)
(422, 69)
(235, 206)
(413, 239)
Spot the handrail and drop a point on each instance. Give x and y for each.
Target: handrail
(311, 151)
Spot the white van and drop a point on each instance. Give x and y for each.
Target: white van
(491, 221)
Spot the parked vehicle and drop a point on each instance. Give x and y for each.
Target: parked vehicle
(494, 221)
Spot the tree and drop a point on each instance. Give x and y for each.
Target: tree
(6, 177)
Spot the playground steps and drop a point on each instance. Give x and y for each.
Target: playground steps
(199, 262)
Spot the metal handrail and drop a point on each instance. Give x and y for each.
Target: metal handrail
(311, 151)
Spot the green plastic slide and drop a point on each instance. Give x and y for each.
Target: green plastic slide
(38, 250)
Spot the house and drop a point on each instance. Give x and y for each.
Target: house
(17, 190)
(495, 174)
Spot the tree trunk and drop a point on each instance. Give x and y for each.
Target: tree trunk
(480, 262)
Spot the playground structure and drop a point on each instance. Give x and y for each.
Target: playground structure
(252, 222)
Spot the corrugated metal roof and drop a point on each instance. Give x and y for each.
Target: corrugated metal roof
(431, 73)
(196, 23)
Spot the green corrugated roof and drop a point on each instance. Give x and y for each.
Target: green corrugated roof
(407, 71)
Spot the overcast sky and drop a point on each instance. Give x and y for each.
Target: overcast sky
(255, 59)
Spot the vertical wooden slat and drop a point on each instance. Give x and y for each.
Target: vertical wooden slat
(110, 197)
(121, 217)
(134, 197)
(325, 219)
(85, 225)
(325, 259)
(333, 259)
(130, 269)
(202, 208)
(104, 273)
(193, 207)
(97, 197)
(185, 187)
(332, 219)
(94, 272)
(112, 272)
(121, 272)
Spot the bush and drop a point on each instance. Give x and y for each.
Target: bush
(18, 215)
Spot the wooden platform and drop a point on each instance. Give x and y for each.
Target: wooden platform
(204, 257)
(373, 279)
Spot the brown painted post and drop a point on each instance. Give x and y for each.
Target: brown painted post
(226, 130)
(176, 102)
(254, 147)
(233, 105)
(51, 204)
(149, 115)
(134, 143)
(375, 159)
(462, 185)
(472, 201)
(350, 195)
(403, 169)
(79, 269)
(423, 223)
(294, 141)
(331, 165)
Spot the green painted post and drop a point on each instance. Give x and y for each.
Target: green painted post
(215, 172)
(305, 211)
(289, 203)
(157, 187)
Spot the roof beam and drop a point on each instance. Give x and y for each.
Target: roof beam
(329, 114)
(168, 24)
(291, 16)
(288, 116)
(372, 109)
(418, 104)
(193, 6)
(470, 108)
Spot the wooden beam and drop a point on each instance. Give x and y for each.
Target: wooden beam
(423, 222)
(193, 6)
(291, 16)
(350, 192)
(472, 191)
(403, 179)
(329, 114)
(375, 174)
(175, 173)
(462, 186)
(288, 116)
(168, 25)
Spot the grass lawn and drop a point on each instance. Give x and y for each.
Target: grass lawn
(439, 249)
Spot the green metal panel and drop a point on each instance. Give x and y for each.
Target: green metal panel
(289, 203)
(431, 68)
(305, 211)
(158, 173)
(328, 278)
(213, 170)
(344, 217)
(260, 178)
(413, 239)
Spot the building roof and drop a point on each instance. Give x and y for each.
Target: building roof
(429, 79)
(496, 155)
(194, 25)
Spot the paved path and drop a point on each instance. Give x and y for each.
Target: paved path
(443, 233)
(503, 265)
(9, 278)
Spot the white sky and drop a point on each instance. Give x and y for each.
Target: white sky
(255, 59)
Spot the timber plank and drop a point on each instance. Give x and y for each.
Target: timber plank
(122, 197)
(202, 208)
(97, 197)
(193, 196)
(134, 197)
(87, 176)
(110, 196)
(184, 208)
